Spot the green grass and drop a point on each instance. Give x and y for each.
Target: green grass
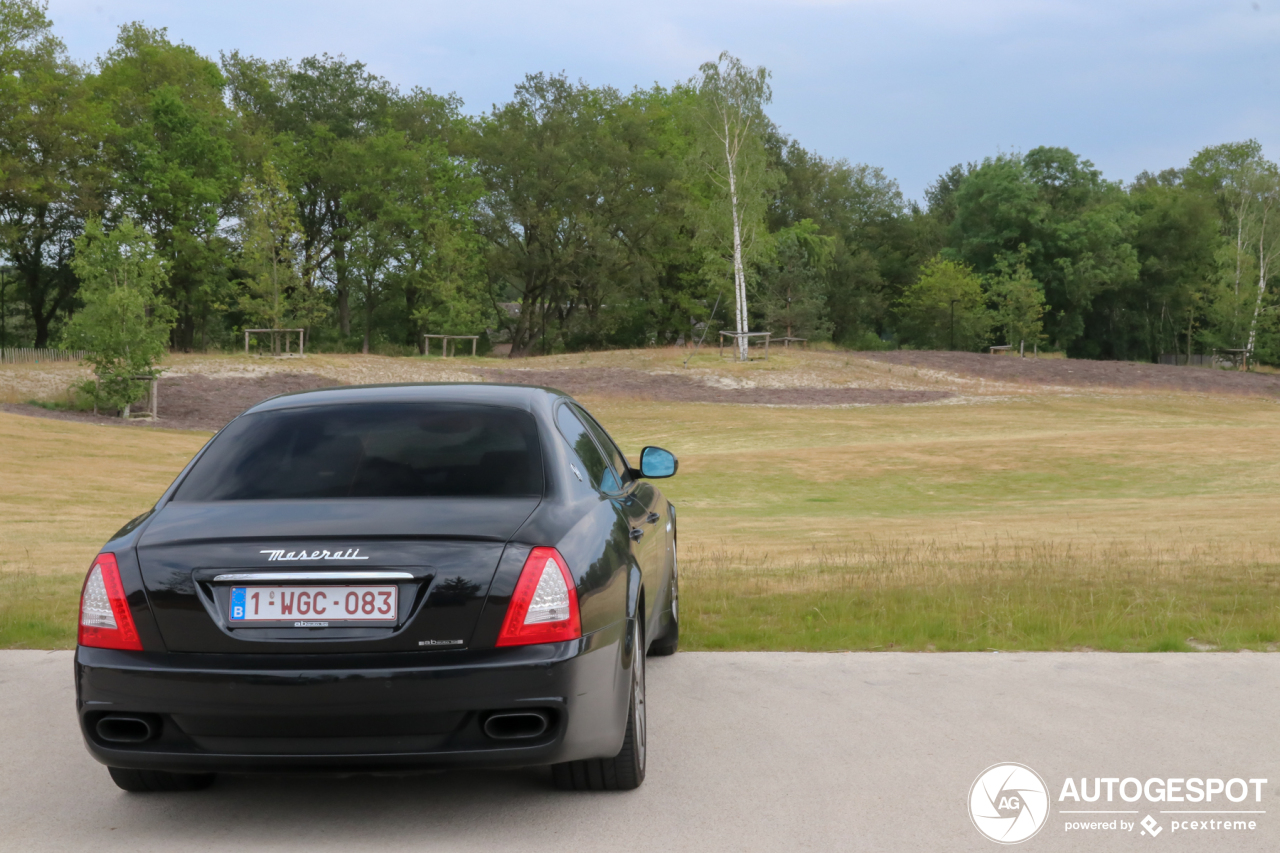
(895, 598)
(53, 405)
(38, 611)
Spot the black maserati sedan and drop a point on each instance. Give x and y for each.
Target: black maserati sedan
(385, 577)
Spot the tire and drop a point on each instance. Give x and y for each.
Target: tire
(148, 781)
(670, 641)
(625, 771)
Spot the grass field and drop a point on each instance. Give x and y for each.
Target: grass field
(1141, 523)
(1137, 522)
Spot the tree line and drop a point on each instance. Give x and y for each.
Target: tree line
(274, 194)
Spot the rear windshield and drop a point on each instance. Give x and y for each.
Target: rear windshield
(378, 450)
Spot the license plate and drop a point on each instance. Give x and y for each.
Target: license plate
(314, 604)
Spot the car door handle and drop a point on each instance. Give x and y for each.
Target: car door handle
(653, 518)
(636, 533)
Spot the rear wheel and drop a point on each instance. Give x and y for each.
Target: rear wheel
(146, 781)
(625, 771)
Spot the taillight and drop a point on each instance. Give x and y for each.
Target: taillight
(105, 620)
(544, 606)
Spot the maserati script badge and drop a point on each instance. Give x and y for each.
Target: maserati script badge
(280, 555)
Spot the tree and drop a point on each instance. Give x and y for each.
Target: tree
(1266, 223)
(440, 268)
(1075, 225)
(862, 212)
(945, 308)
(317, 116)
(568, 211)
(176, 170)
(411, 213)
(1018, 300)
(940, 196)
(125, 322)
(1246, 189)
(732, 99)
(1177, 240)
(50, 175)
(791, 285)
(377, 213)
(1226, 174)
(272, 293)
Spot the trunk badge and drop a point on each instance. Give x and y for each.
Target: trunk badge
(279, 555)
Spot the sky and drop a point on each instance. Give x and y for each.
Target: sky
(911, 86)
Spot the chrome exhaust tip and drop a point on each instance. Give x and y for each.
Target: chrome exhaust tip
(516, 725)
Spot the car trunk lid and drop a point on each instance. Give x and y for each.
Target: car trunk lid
(440, 554)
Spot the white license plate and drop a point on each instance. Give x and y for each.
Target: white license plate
(314, 604)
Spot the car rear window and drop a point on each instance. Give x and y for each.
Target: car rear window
(376, 450)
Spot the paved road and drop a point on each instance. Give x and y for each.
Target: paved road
(770, 752)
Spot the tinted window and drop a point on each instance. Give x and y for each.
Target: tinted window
(614, 455)
(598, 472)
(377, 450)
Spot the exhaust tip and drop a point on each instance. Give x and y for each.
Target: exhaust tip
(117, 728)
(516, 725)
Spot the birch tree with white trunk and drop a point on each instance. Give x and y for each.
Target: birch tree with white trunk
(1266, 194)
(731, 99)
(1230, 172)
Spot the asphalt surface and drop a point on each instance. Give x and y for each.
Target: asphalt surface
(748, 751)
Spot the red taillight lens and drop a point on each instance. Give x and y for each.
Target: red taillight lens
(544, 606)
(105, 620)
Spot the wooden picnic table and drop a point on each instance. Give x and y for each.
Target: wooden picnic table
(447, 340)
(725, 333)
(275, 335)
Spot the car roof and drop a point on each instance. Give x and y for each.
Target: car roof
(483, 393)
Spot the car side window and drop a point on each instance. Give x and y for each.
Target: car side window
(599, 473)
(611, 451)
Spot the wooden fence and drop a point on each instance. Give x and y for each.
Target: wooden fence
(32, 355)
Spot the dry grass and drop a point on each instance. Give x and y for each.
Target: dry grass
(1046, 522)
(1036, 520)
(784, 369)
(20, 383)
(66, 487)
(776, 482)
(47, 382)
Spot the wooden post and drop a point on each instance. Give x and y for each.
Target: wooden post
(246, 343)
(474, 341)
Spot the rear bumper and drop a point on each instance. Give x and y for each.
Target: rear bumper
(245, 713)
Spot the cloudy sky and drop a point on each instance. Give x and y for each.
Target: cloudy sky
(912, 86)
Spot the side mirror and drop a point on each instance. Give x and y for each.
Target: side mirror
(656, 463)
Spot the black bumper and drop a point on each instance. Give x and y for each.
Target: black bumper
(245, 713)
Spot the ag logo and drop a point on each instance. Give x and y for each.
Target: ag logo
(1008, 803)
